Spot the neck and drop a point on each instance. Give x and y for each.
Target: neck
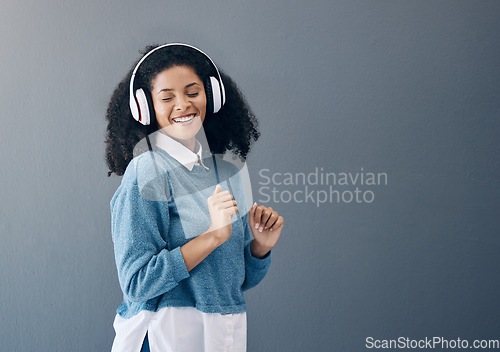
(189, 143)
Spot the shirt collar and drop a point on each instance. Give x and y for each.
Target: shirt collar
(178, 151)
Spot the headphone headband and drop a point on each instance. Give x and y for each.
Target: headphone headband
(138, 104)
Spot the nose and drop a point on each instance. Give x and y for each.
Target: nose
(181, 103)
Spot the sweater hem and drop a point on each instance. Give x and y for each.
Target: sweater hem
(235, 309)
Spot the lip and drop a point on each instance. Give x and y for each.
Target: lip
(186, 122)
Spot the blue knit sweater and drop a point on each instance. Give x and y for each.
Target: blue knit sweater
(159, 206)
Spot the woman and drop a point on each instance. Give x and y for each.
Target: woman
(185, 248)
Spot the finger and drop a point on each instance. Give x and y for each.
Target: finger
(215, 198)
(279, 223)
(271, 221)
(225, 205)
(231, 212)
(222, 197)
(265, 216)
(222, 194)
(258, 217)
(218, 188)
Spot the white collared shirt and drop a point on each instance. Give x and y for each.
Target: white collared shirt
(181, 329)
(178, 151)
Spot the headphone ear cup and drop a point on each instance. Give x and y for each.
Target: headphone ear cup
(142, 102)
(209, 94)
(216, 94)
(151, 108)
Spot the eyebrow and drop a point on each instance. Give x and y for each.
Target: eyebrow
(170, 89)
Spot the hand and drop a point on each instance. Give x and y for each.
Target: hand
(222, 208)
(266, 226)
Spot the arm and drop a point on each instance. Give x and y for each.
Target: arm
(262, 230)
(146, 269)
(256, 267)
(199, 248)
(222, 208)
(266, 226)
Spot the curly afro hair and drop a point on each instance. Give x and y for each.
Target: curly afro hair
(233, 128)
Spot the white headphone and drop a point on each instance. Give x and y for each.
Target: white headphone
(140, 108)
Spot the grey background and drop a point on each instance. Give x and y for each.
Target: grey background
(409, 88)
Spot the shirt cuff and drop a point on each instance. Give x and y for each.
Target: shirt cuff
(257, 263)
(180, 269)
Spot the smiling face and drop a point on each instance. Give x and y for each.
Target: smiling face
(180, 103)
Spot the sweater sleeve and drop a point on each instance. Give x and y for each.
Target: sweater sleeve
(255, 268)
(146, 268)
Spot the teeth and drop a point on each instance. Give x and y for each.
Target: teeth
(184, 119)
